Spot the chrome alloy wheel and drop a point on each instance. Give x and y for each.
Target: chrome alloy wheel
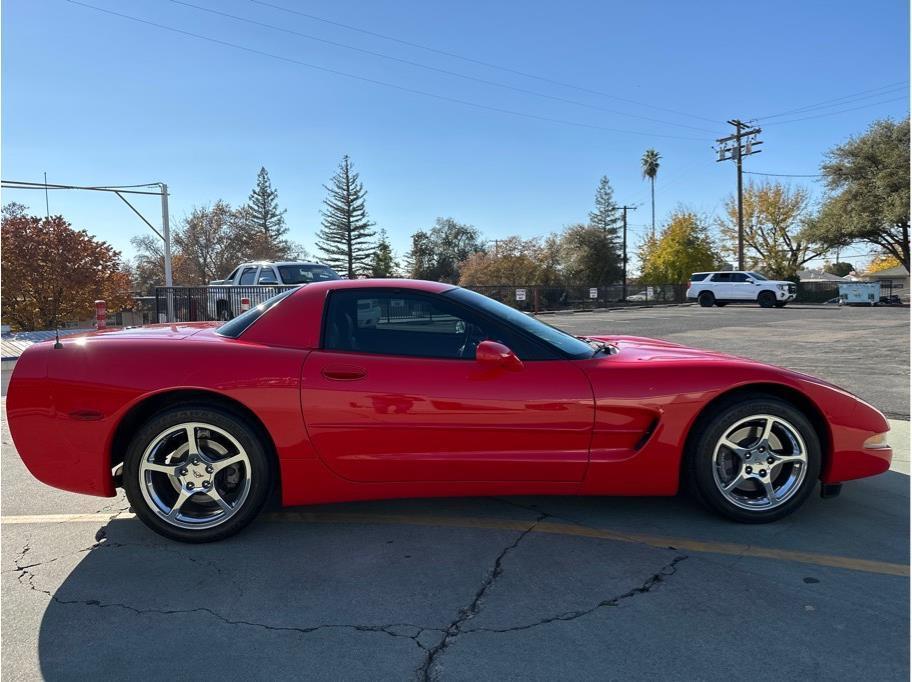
(760, 462)
(195, 475)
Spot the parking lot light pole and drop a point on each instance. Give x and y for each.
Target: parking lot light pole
(166, 234)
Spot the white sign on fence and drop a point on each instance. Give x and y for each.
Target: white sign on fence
(649, 293)
(520, 294)
(593, 293)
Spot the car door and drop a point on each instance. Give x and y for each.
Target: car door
(742, 287)
(395, 394)
(720, 285)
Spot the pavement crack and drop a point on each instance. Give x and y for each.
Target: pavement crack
(427, 670)
(648, 585)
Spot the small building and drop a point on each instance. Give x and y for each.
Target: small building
(892, 281)
(819, 276)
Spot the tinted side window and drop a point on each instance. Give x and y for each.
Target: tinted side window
(738, 277)
(248, 276)
(390, 322)
(698, 277)
(267, 276)
(721, 277)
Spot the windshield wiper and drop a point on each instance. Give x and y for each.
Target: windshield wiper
(599, 346)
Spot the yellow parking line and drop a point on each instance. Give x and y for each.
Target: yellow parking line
(684, 544)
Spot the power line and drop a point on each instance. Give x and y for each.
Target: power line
(420, 65)
(841, 111)
(364, 79)
(882, 90)
(472, 60)
(786, 175)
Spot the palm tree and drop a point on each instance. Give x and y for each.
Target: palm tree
(650, 163)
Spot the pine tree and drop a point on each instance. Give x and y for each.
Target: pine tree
(383, 264)
(345, 239)
(265, 221)
(605, 216)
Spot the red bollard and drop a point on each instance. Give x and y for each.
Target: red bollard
(101, 314)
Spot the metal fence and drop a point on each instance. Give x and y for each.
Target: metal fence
(199, 304)
(191, 304)
(535, 298)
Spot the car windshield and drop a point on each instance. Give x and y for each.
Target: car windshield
(570, 345)
(234, 328)
(757, 276)
(306, 273)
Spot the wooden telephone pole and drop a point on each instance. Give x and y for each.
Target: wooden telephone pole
(624, 250)
(734, 148)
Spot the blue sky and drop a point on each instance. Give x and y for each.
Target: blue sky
(93, 98)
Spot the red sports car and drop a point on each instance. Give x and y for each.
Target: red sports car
(366, 389)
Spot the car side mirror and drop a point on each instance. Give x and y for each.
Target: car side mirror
(268, 280)
(496, 354)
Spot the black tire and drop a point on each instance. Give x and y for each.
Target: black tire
(706, 299)
(261, 472)
(766, 299)
(699, 464)
(721, 304)
(781, 304)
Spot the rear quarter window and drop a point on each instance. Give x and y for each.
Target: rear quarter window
(698, 276)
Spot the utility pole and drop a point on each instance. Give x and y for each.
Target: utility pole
(732, 148)
(166, 235)
(624, 209)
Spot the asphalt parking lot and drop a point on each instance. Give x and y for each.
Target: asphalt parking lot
(504, 588)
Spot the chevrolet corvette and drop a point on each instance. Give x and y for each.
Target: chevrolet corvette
(369, 389)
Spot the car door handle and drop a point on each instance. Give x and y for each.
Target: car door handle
(347, 373)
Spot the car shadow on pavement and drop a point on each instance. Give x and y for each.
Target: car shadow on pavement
(395, 589)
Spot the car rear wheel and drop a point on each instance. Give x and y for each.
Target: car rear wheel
(706, 299)
(196, 473)
(756, 461)
(766, 299)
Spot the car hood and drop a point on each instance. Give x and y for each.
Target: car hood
(641, 349)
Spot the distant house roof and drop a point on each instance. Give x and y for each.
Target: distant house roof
(13, 344)
(890, 273)
(819, 276)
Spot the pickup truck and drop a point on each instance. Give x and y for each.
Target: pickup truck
(261, 280)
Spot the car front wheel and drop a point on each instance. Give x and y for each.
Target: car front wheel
(756, 461)
(766, 299)
(196, 473)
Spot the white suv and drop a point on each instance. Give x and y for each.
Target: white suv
(719, 288)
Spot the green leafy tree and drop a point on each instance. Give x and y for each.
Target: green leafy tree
(868, 181)
(265, 221)
(383, 264)
(346, 238)
(683, 247)
(650, 165)
(437, 253)
(776, 236)
(839, 269)
(590, 257)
